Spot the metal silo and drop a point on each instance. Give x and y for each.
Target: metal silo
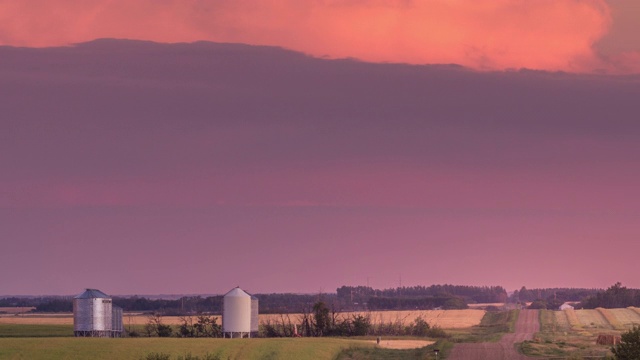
(236, 313)
(117, 328)
(92, 314)
(255, 319)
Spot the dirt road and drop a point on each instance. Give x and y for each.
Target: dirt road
(526, 325)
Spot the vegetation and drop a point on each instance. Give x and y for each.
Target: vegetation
(494, 324)
(368, 353)
(418, 297)
(140, 348)
(629, 347)
(617, 296)
(33, 330)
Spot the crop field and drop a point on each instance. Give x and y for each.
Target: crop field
(574, 332)
(446, 319)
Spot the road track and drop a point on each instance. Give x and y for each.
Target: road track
(526, 326)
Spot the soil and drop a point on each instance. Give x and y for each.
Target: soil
(526, 326)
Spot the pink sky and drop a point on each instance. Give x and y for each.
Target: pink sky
(567, 35)
(140, 168)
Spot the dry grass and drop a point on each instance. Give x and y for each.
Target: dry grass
(610, 318)
(635, 309)
(572, 318)
(562, 322)
(627, 318)
(446, 319)
(592, 319)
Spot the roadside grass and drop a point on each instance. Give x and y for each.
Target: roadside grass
(376, 353)
(556, 339)
(494, 324)
(140, 348)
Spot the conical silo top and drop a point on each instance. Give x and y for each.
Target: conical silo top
(92, 294)
(237, 292)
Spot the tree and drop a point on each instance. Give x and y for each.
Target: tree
(629, 347)
(322, 320)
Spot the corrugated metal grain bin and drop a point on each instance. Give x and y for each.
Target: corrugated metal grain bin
(93, 314)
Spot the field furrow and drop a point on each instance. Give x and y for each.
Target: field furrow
(562, 323)
(610, 318)
(626, 317)
(592, 319)
(572, 318)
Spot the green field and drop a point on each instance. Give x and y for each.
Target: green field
(32, 330)
(128, 348)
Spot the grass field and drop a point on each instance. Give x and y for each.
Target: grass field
(93, 348)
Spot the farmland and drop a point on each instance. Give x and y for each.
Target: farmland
(128, 348)
(574, 332)
(446, 319)
(23, 336)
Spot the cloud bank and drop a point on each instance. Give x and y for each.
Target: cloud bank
(485, 35)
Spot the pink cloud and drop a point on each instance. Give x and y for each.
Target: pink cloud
(489, 35)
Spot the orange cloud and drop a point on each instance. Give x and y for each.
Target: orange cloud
(491, 34)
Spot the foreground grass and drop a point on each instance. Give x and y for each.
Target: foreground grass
(560, 340)
(128, 348)
(494, 324)
(375, 353)
(32, 330)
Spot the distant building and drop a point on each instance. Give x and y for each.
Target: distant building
(95, 316)
(566, 306)
(239, 314)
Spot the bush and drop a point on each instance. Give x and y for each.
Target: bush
(629, 347)
(157, 356)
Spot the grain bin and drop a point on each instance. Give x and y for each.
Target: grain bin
(93, 314)
(236, 314)
(255, 319)
(117, 327)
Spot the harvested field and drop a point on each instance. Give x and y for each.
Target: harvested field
(572, 318)
(37, 320)
(562, 323)
(446, 319)
(627, 318)
(610, 318)
(592, 319)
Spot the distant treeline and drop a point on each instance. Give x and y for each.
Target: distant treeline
(562, 294)
(422, 297)
(617, 296)
(269, 303)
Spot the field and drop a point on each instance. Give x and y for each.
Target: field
(38, 336)
(79, 348)
(574, 332)
(446, 319)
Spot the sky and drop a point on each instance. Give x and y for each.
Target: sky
(167, 147)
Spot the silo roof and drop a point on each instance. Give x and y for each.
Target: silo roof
(92, 294)
(237, 292)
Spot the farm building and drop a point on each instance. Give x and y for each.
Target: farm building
(95, 316)
(566, 306)
(239, 314)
